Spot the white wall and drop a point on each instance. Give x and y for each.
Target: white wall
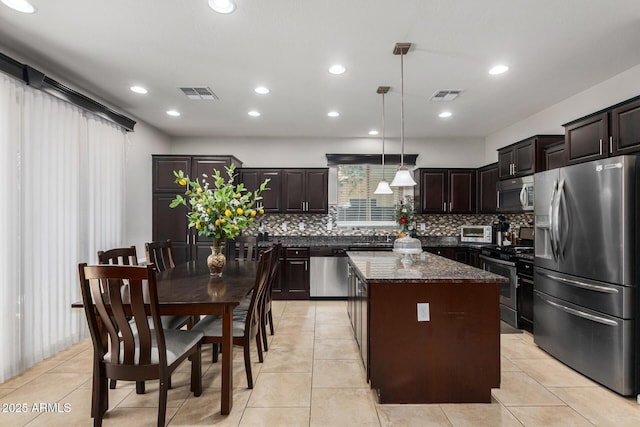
(549, 121)
(310, 152)
(142, 143)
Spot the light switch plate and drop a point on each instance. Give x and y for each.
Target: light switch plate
(423, 312)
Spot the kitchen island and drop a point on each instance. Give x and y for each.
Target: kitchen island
(427, 332)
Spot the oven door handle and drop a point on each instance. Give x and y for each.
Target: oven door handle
(498, 261)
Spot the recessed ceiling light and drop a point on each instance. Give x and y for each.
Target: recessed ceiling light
(373, 132)
(173, 113)
(138, 89)
(498, 69)
(254, 113)
(337, 69)
(333, 114)
(262, 90)
(222, 6)
(445, 114)
(20, 5)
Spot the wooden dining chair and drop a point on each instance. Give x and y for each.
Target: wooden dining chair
(160, 254)
(246, 326)
(128, 256)
(244, 248)
(267, 316)
(136, 350)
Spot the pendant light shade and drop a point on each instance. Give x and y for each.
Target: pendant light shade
(383, 186)
(403, 177)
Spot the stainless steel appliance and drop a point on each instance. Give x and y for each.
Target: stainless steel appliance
(516, 194)
(502, 260)
(328, 272)
(586, 257)
(476, 233)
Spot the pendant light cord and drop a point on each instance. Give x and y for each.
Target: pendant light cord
(383, 136)
(401, 110)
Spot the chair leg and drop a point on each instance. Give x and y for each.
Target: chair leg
(270, 321)
(162, 402)
(247, 364)
(214, 353)
(100, 393)
(263, 331)
(259, 345)
(139, 387)
(196, 372)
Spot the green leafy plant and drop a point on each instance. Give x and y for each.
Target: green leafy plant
(405, 215)
(218, 207)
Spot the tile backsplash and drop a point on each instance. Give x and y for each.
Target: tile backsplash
(435, 225)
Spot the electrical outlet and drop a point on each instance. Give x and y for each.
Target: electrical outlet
(329, 226)
(423, 312)
(423, 226)
(301, 226)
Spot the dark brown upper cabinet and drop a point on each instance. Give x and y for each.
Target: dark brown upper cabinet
(272, 198)
(609, 132)
(487, 191)
(305, 190)
(551, 156)
(523, 157)
(445, 190)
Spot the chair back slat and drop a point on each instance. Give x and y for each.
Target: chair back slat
(160, 254)
(119, 256)
(254, 316)
(244, 248)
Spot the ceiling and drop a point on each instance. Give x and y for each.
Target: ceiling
(554, 49)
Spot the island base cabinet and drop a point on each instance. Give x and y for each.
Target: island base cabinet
(453, 357)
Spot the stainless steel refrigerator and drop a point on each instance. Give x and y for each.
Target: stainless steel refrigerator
(586, 259)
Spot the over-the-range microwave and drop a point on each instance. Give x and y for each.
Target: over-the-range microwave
(515, 194)
(476, 233)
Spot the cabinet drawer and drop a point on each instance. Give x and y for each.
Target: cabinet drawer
(296, 252)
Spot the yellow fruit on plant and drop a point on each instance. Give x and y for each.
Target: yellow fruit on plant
(201, 201)
(199, 190)
(234, 227)
(253, 214)
(209, 210)
(238, 195)
(182, 182)
(217, 223)
(261, 211)
(198, 226)
(227, 213)
(223, 221)
(239, 211)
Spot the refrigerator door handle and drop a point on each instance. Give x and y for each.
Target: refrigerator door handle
(552, 239)
(583, 285)
(563, 220)
(579, 313)
(556, 220)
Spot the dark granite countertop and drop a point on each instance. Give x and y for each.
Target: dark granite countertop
(387, 266)
(363, 242)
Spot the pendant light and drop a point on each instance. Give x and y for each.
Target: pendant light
(403, 178)
(383, 186)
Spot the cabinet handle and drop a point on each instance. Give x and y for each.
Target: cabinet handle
(601, 146)
(444, 207)
(611, 145)
(450, 206)
(187, 236)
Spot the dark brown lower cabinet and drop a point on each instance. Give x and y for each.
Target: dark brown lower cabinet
(293, 281)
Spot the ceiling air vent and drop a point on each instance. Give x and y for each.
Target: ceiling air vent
(445, 95)
(199, 93)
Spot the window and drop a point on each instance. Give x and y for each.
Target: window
(357, 205)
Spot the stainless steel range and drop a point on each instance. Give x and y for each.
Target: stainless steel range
(502, 260)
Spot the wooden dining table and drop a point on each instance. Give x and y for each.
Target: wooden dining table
(189, 289)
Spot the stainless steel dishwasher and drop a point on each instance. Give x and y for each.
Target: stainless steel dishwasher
(328, 272)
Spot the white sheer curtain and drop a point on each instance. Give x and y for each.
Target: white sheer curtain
(62, 194)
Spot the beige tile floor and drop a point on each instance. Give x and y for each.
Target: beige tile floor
(312, 376)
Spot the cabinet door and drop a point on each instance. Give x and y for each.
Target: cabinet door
(297, 278)
(587, 139)
(433, 191)
(462, 191)
(553, 157)
(272, 198)
(163, 167)
(206, 165)
(625, 128)
(461, 255)
(316, 189)
(524, 157)
(293, 190)
(505, 162)
(171, 223)
(488, 197)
